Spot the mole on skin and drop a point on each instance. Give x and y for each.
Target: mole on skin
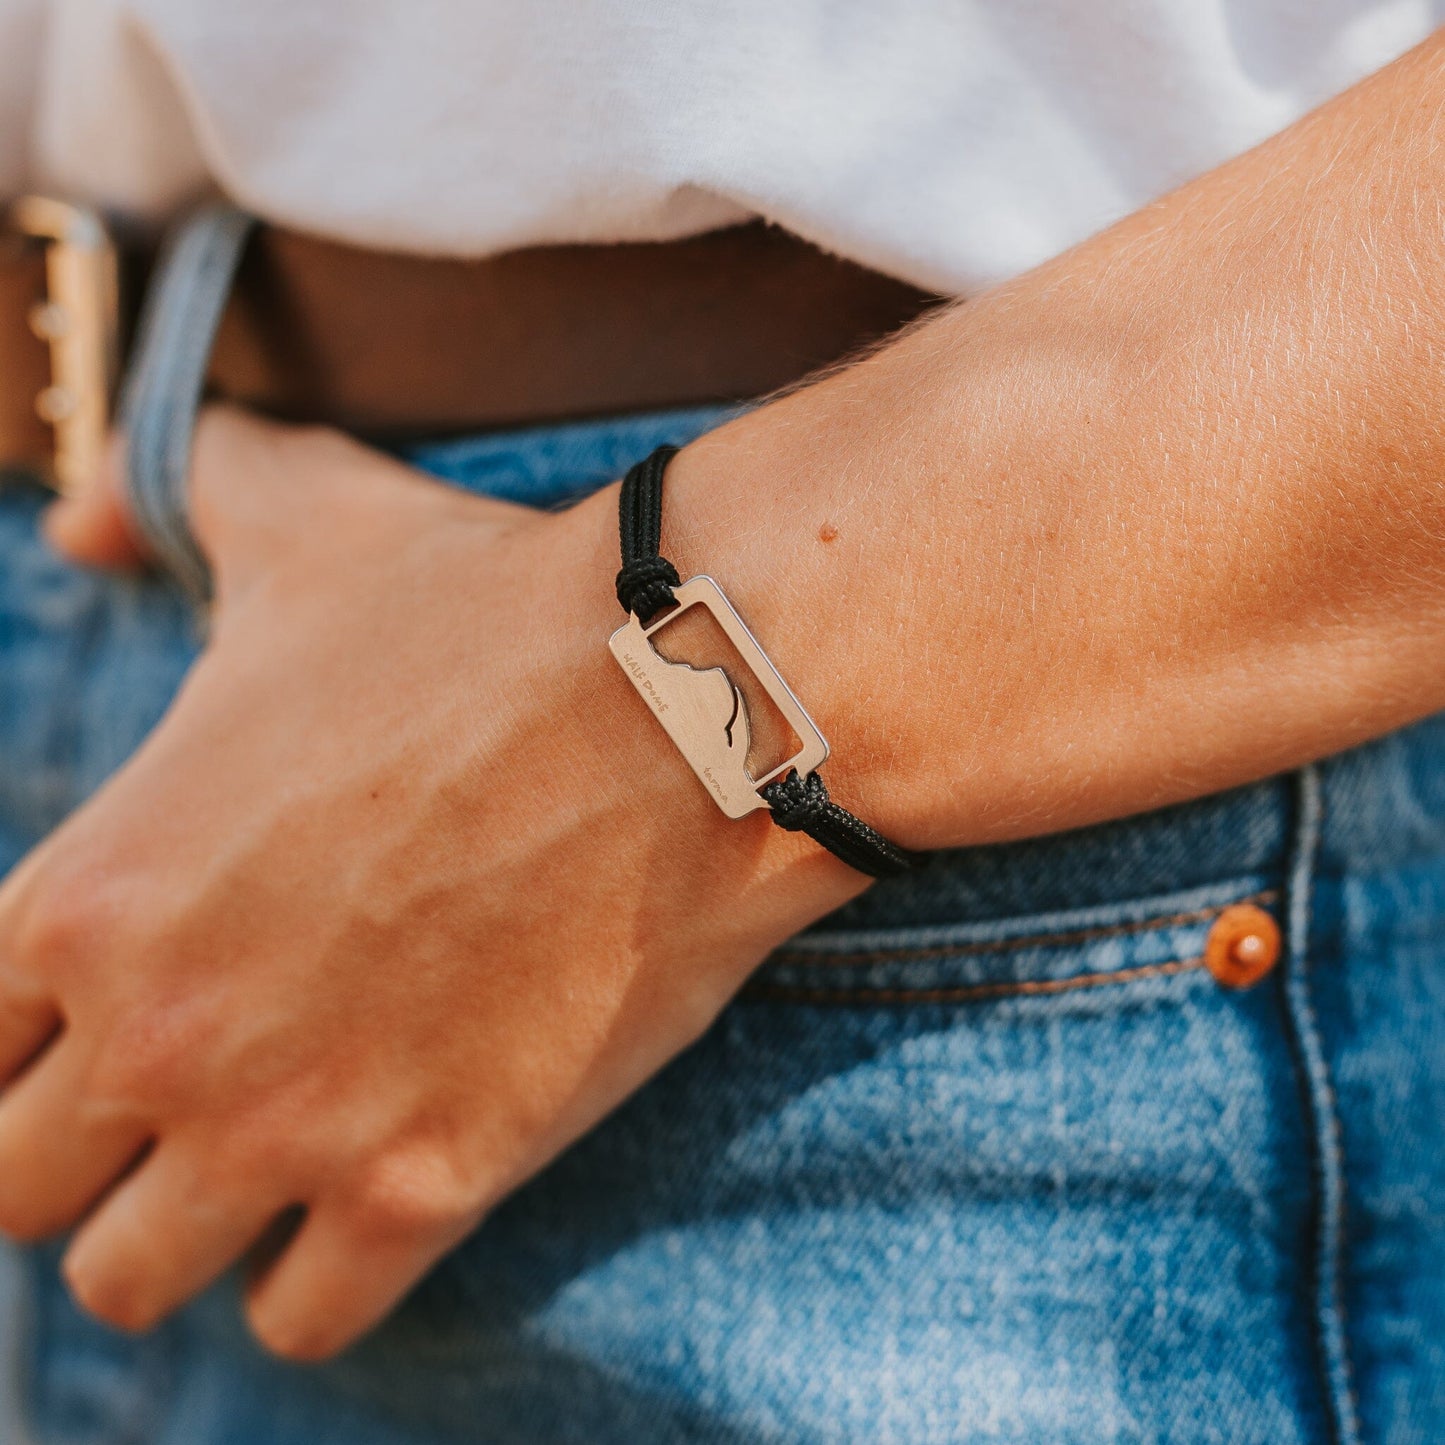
(827, 532)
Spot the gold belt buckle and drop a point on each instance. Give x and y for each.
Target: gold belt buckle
(79, 318)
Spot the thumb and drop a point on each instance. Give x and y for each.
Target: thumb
(93, 526)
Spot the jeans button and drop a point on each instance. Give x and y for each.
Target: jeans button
(1243, 945)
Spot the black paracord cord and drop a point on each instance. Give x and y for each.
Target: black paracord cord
(645, 583)
(644, 587)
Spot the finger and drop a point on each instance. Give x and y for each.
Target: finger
(93, 525)
(334, 1282)
(58, 1153)
(28, 1022)
(164, 1234)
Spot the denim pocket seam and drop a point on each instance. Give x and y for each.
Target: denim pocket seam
(971, 993)
(761, 990)
(1066, 939)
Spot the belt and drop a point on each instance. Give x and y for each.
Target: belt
(388, 346)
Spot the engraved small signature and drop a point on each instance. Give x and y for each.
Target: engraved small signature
(712, 782)
(644, 682)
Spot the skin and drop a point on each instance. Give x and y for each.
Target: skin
(407, 891)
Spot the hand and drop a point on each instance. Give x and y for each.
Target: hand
(406, 892)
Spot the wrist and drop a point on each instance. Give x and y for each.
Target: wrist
(767, 506)
(759, 880)
(883, 533)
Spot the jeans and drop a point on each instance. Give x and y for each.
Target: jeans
(987, 1155)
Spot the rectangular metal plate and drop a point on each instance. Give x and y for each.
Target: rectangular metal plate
(703, 710)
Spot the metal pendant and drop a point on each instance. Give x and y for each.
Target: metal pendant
(704, 711)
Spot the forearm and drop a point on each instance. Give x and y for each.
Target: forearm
(1162, 516)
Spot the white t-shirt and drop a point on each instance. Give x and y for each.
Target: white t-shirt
(952, 142)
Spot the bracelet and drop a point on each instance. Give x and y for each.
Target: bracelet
(702, 709)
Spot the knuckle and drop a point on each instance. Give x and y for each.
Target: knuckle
(410, 1194)
(73, 915)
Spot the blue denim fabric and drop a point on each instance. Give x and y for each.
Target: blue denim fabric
(987, 1155)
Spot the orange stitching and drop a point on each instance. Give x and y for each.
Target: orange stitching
(799, 956)
(786, 993)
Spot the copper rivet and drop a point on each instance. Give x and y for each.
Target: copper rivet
(1243, 945)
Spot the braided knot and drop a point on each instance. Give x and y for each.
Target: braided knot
(798, 801)
(645, 584)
